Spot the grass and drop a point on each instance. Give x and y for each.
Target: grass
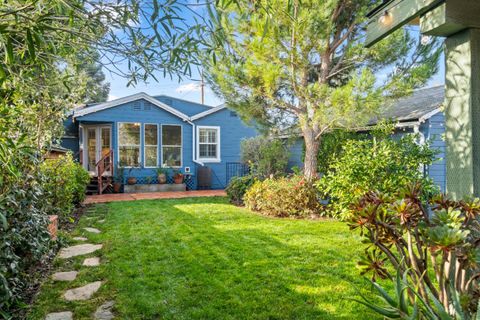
(203, 258)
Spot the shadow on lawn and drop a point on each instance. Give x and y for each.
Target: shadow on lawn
(204, 259)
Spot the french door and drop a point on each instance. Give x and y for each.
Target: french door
(97, 144)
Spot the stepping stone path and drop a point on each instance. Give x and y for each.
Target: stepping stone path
(92, 230)
(91, 262)
(66, 315)
(80, 239)
(82, 293)
(79, 250)
(104, 312)
(101, 221)
(65, 276)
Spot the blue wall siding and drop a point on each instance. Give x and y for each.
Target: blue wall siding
(187, 107)
(153, 115)
(70, 136)
(296, 154)
(434, 130)
(232, 132)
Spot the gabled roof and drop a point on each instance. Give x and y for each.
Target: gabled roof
(142, 95)
(420, 106)
(208, 112)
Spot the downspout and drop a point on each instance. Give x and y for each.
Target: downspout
(416, 130)
(194, 132)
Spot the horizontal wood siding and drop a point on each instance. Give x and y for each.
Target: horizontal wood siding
(151, 114)
(232, 132)
(434, 130)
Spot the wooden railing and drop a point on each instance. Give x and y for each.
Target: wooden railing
(105, 164)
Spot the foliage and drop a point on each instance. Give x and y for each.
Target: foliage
(265, 156)
(305, 62)
(284, 197)
(204, 254)
(331, 147)
(433, 244)
(381, 163)
(237, 187)
(98, 88)
(65, 184)
(24, 238)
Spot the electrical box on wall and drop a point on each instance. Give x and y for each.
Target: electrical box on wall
(187, 169)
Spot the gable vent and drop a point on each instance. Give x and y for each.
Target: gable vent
(233, 114)
(137, 106)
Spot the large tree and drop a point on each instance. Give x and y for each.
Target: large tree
(305, 61)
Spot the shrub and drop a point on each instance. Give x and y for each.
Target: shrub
(65, 184)
(433, 245)
(237, 187)
(284, 197)
(265, 156)
(381, 163)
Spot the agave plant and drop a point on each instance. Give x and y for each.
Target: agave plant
(435, 246)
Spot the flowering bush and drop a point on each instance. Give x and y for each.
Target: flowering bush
(284, 197)
(265, 156)
(237, 187)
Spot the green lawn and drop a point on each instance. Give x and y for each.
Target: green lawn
(203, 258)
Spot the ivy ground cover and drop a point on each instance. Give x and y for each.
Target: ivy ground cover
(202, 258)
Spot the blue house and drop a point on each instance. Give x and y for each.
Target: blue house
(419, 113)
(141, 133)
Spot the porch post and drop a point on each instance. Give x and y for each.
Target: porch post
(462, 110)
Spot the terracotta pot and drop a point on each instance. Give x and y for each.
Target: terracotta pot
(162, 178)
(178, 179)
(117, 186)
(131, 180)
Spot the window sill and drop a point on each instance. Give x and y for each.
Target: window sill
(210, 160)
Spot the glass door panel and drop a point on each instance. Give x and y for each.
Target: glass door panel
(105, 144)
(91, 149)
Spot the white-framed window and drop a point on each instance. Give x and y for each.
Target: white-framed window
(129, 144)
(208, 144)
(171, 145)
(150, 142)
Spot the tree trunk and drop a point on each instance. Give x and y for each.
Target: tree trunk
(311, 153)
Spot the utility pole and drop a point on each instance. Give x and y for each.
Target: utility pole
(202, 87)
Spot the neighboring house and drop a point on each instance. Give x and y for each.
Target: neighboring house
(144, 132)
(419, 113)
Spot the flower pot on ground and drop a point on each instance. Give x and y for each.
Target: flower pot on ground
(117, 187)
(118, 180)
(131, 180)
(162, 175)
(177, 177)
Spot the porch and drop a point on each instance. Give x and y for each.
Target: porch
(113, 197)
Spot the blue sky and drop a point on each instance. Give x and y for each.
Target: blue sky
(189, 89)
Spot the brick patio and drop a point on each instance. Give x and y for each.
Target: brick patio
(152, 195)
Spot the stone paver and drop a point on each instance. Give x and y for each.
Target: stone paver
(66, 315)
(65, 276)
(101, 221)
(104, 312)
(92, 230)
(102, 198)
(91, 262)
(82, 293)
(80, 239)
(79, 250)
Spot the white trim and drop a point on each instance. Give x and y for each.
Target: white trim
(134, 97)
(168, 145)
(210, 160)
(150, 145)
(430, 114)
(98, 136)
(133, 145)
(208, 112)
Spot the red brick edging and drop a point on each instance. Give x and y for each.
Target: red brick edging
(104, 198)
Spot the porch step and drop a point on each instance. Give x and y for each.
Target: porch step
(92, 187)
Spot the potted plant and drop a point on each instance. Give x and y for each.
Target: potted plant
(177, 176)
(162, 175)
(118, 180)
(131, 180)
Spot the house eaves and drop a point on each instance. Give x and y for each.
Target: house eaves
(208, 112)
(131, 98)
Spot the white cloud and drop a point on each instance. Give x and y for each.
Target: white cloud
(188, 87)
